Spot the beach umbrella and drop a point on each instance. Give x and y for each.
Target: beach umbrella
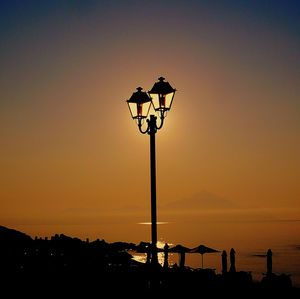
(142, 247)
(202, 249)
(232, 261)
(224, 262)
(269, 261)
(145, 247)
(181, 250)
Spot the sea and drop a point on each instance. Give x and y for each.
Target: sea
(285, 260)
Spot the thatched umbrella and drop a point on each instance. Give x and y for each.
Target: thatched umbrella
(181, 250)
(203, 249)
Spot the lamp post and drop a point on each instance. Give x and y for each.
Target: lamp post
(161, 97)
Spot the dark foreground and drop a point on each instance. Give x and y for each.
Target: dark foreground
(65, 267)
(139, 281)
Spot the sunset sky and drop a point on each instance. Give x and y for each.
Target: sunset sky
(73, 161)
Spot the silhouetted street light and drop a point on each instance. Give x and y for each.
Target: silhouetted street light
(161, 97)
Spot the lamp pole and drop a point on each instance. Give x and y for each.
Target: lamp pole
(161, 97)
(152, 132)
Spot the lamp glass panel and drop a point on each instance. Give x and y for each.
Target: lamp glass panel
(155, 100)
(145, 109)
(169, 99)
(133, 109)
(139, 110)
(162, 102)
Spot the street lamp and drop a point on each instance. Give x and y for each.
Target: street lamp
(161, 97)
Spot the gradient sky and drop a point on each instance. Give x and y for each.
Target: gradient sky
(72, 159)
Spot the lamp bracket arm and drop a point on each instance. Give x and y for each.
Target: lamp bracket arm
(162, 118)
(143, 131)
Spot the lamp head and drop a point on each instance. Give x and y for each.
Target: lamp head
(139, 105)
(162, 95)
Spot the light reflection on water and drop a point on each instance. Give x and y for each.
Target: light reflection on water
(245, 261)
(142, 257)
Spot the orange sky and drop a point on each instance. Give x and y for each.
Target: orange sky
(71, 158)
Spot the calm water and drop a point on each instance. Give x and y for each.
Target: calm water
(285, 260)
(250, 235)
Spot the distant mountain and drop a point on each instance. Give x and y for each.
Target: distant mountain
(13, 237)
(201, 200)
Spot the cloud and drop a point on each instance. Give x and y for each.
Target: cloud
(201, 200)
